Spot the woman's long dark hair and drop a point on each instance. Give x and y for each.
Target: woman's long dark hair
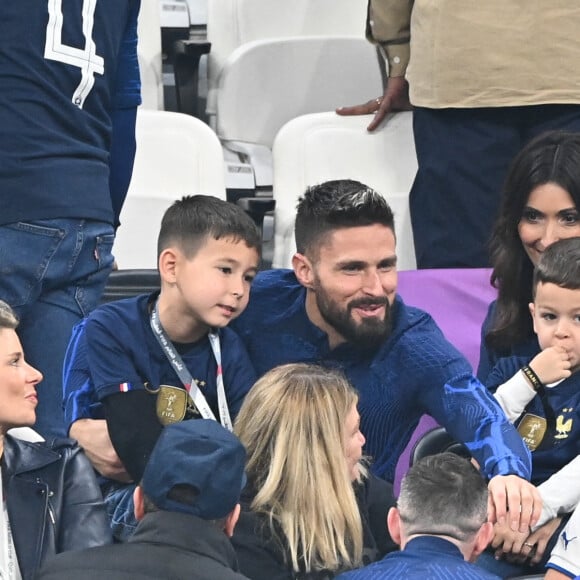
(552, 157)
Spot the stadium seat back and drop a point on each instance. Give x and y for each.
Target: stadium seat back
(176, 155)
(128, 283)
(232, 23)
(266, 83)
(435, 441)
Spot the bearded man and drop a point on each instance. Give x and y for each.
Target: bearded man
(339, 307)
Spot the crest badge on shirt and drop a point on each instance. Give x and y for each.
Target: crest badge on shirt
(174, 404)
(171, 404)
(532, 429)
(564, 424)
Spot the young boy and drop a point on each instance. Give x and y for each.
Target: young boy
(542, 397)
(543, 394)
(152, 360)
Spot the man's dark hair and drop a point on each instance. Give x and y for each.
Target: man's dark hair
(183, 493)
(443, 494)
(338, 204)
(560, 265)
(194, 218)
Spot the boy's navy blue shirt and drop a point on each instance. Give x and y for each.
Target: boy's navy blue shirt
(114, 348)
(415, 371)
(561, 444)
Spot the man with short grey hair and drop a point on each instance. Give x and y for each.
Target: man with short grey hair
(440, 522)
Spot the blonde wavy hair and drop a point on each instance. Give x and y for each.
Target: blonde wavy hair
(292, 424)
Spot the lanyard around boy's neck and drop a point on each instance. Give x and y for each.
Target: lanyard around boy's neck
(185, 376)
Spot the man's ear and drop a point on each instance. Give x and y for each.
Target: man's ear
(231, 521)
(167, 263)
(394, 525)
(303, 269)
(482, 540)
(138, 503)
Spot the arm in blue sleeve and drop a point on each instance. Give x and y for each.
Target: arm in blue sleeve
(125, 101)
(486, 357)
(471, 415)
(123, 148)
(79, 398)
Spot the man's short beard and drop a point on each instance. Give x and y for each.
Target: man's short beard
(369, 332)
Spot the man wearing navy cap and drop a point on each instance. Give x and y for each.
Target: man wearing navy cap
(187, 507)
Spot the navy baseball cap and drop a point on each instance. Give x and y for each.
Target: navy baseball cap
(203, 455)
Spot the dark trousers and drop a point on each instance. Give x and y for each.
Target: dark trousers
(463, 157)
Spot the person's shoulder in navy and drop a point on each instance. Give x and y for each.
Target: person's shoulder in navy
(488, 356)
(275, 327)
(504, 369)
(275, 297)
(424, 558)
(421, 346)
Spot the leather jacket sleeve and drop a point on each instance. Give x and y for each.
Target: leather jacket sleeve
(53, 499)
(83, 519)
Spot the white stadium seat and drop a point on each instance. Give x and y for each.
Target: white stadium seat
(177, 155)
(232, 23)
(266, 83)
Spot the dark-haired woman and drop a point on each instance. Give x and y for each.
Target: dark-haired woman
(541, 204)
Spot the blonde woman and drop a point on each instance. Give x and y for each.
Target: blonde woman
(49, 499)
(310, 509)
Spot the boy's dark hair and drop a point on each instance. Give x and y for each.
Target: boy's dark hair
(443, 494)
(560, 265)
(333, 205)
(182, 493)
(193, 218)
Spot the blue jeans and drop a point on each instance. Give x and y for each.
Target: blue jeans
(120, 508)
(52, 272)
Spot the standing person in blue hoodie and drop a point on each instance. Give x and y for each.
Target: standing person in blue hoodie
(70, 91)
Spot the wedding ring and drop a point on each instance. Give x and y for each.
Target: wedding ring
(528, 544)
(379, 101)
